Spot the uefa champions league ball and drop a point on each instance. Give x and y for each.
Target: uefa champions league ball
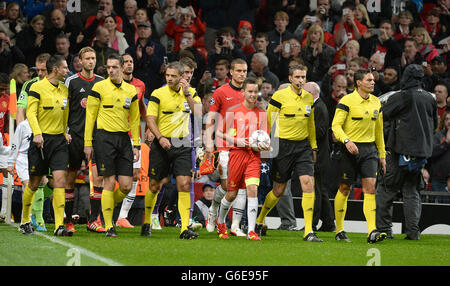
(259, 139)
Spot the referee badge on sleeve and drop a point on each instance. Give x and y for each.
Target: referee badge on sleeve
(308, 109)
(64, 101)
(127, 102)
(375, 113)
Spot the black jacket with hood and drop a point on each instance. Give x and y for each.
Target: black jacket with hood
(413, 115)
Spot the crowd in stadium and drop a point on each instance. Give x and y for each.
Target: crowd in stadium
(332, 39)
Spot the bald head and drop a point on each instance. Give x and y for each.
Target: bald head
(312, 88)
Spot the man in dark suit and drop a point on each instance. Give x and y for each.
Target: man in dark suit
(322, 205)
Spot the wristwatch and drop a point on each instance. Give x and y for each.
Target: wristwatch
(346, 141)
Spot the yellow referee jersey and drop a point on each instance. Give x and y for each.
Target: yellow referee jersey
(171, 110)
(293, 115)
(48, 108)
(114, 107)
(359, 120)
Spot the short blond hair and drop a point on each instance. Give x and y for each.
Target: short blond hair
(85, 50)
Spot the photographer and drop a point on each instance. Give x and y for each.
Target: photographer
(105, 8)
(225, 48)
(184, 19)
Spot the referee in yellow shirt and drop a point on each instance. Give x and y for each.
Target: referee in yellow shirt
(291, 111)
(113, 105)
(47, 113)
(168, 116)
(358, 124)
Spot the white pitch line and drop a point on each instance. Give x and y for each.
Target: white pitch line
(82, 250)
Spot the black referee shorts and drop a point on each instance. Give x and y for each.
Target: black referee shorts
(293, 156)
(76, 152)
(54, 155)
(364, 164)
(113, 153)
(176, 161)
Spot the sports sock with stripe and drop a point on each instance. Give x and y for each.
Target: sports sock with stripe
(340, 209)
(270, 201)
(150, 202)
(369, 209)
(107, 207)
(27, 203)
(308, 210)
(184, 208)
(59, 199)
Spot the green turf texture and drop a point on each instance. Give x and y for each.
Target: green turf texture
(164, 248)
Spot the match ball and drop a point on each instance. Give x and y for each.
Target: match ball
(259, 139)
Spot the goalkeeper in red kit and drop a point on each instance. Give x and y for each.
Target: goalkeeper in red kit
(245, 160)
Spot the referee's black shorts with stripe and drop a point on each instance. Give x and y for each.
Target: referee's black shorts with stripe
(176, 161)
(113, 153)
(293, 156)
(365, 163)
(54, 155)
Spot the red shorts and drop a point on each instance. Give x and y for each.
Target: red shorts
(244, 168)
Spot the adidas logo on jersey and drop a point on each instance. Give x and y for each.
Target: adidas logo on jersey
(82, 90)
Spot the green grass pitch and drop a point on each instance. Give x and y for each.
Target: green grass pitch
(164, 248)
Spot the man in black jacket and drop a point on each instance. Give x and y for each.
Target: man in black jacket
(322, 205)
(412, 114)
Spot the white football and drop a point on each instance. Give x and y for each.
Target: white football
(259, 138)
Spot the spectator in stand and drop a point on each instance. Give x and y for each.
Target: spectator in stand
(102, 49)
(220, 76)
(444, 7)
(425, 44)
(148, 59)
(291, 50)
(435, 73)
(10, 54)
(202, 205)
(362, 16)
(432, 24)
(31, 40)
(117, 39)
(330, 18)
(185, 19)
(105, 8)
(4, 111)
(60, 25)
(346, 55)
(349, 28)
(187, 46)
(381, 40)
(244, 40)
(389, 82)
(160, 19)
(410, 54)
(73, 18)
(295, 9)
(317, 55)
(441, 93)
(317, 19)
(129, 21)
(439, 165)
(13, 22)
(279, 35)
(333, 93)
(62, 46)
(404, 27)
(20, 74)
(260, 69)
(225, 48)
(261, 43)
